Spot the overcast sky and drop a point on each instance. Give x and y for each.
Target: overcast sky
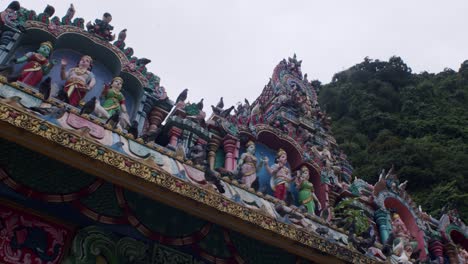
(229, 48)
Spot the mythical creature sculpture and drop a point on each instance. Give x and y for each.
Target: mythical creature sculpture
(280, 174)
(306, 194)
(79, 80)
(37, 66)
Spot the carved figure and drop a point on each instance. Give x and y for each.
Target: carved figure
(8, 17)
(306, 194)
(102, 27)
(35, 239)
(197, 154)
(280, 174)
(79, 80)
(38, 64)
(247, 165)
(402, 246)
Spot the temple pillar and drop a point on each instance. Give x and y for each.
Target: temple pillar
(382, 218)
(174, 134)
(213, 146)
(437, 249)
(230, 146)
(155, 118)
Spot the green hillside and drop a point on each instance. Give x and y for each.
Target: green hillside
(384, 114)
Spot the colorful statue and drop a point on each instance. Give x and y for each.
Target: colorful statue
(306, 190)
(247, 165)
(280, 174)
(8, 17)
(114, 101)
(403, 247)
(38, 64)
(102, 27)
(79, 80)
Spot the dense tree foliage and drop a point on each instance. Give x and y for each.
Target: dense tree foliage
(384, 114)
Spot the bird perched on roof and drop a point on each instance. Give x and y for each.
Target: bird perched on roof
(182, 96)
(122, 35)
(200, 105)
(225, 113)
(133, 129)
(63, 96)
(151, 136)
(142, 61)
(114, 119)
(44, 88)
(219, 106)
(213, 177)
(89, 107)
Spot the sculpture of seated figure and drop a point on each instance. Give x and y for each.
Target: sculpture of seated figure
(247, 165)
(114, 101)
(38, 64)
(280, 174)
(102, 27)
(306, 194)
(79, 80)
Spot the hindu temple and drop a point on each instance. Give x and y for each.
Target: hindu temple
(99, 165)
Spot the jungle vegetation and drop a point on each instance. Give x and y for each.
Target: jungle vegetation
(383, 114)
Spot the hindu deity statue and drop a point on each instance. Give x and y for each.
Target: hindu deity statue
(37, 66)
(306, 194)
(280, 174)
(114, 101)
(79, 80)
(462, 255)
(402, 245)
(247, 165)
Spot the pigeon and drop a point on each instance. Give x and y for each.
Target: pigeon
(182, 96)
(63, 96)
(151, 136)
(322, 231)
(114, 119)
(122, 35)
(142, 61)
(213, 177)
(133, 130)
(44, 88)
(220, 104)
(89, 107)
(225, 113)
(200, 104)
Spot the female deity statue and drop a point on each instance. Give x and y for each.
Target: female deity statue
(247, 165)
(38, 64)
(114, 101)
(79, 80)
(280, 174)
(306, 190)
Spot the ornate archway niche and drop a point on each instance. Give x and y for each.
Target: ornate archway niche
(456, 236)
(387, 199)
(84, 43)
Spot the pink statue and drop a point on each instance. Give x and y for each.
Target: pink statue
(247, 165)
(79, 80)
(280, 174)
